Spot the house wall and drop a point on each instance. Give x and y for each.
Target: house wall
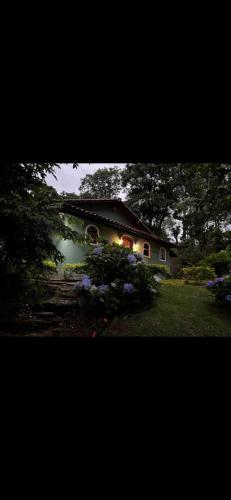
(76, 252)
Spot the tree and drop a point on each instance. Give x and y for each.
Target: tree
(188, 202)
(28, 217)
(65, 196)
(104, 183)
(204, 200)
(152, 192)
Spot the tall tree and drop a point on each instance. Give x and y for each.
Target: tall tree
(152, 192)
(184, 201)
(104, 183)
(204, 200)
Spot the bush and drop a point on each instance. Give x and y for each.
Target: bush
(159, 269)
(50, 267)
(220, 261)
(20, 289)
(198, 273)
(221, 288)
(70, 270)
(116, 280)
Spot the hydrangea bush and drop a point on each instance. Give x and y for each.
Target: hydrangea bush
(116, 279)
(221, 288)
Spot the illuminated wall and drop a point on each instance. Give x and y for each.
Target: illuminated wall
(76, 252)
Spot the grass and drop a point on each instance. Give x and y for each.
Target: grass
(180, 310)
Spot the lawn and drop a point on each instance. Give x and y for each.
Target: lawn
(180, 310)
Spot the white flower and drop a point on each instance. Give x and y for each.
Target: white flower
(153, 290)
(93, 289)
(157, 278)
(113, 285)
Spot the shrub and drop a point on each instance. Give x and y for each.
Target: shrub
(27, 289)
(198, 273)
(159, 269)
(70, 270)
(220, 261)
(50, 266)
(221, 288)
(116, 280)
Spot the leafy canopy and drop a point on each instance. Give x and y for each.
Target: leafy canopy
(104, 183)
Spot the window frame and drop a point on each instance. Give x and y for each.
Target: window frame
(97, 229)
(130, 238)
(149, 247)
(162, 260)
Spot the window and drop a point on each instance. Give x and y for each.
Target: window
(162, 254)
(127, 242)
(146, 250)
(93, 233)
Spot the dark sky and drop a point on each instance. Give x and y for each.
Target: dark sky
(69, 179)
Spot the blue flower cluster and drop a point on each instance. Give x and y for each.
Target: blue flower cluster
(128, 288)
(221, 287)
(132, 259)
(215, 282)
(97, 251)
(85, 283)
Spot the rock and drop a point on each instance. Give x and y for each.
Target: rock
(45, 314)
(58, 304)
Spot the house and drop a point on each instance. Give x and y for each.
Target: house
(113, 221)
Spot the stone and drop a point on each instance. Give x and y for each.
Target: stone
(45, 314)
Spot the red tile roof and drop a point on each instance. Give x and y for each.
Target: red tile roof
(69, 207)
(117, 202)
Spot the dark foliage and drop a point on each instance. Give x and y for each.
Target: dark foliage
(28, 217)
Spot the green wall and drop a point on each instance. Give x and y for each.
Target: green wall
(76, 252)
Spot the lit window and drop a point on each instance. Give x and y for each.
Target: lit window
(127, 242)
(146, 250)
(93, 233)
(162, 254)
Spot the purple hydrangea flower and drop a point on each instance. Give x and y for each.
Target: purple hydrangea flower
(128, 288)
(132, 259)
(86, 282)
(103, 288)
(228, 298)
(98, 251)
(210, 283)
(219, 280)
